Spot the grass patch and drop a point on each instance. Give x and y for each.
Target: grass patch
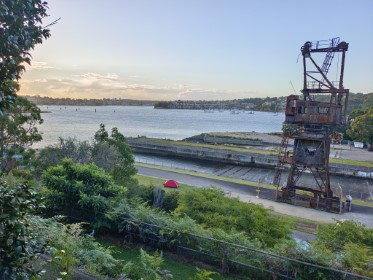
(362, 203)
(299, 224)
(146, 181)
(279, 134)
(211, 146)
(178, 269)
(232, 135)
(352, 162)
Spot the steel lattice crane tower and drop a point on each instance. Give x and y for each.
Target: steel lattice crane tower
(310, 120)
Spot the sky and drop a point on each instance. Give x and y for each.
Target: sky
(194, 49)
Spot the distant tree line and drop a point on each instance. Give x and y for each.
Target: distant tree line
(39, 100)
(357, 101)
(259, 104)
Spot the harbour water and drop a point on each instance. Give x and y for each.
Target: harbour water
(83, 122)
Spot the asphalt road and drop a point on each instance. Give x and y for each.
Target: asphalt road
(248, 194)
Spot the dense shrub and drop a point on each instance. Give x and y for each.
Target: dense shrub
(83, 192)
(212, 208)
(336, 236)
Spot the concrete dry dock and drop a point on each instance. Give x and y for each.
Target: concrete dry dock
(230, 156)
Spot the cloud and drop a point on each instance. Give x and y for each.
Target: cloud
(110, 85)
(38, 65)
(95, 76)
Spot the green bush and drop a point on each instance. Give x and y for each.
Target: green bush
(213, 209)
(83, 192)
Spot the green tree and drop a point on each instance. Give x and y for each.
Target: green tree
(78, 151)
(355, 113)
(110, 153)
(18, 129)
(84, 192)
(115, 150)
(362, 126)
(21, 29)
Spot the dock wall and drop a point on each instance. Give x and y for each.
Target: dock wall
(235, 157)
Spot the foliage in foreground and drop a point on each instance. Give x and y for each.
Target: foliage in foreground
(69, 248)
(21, 29)
(17, 243)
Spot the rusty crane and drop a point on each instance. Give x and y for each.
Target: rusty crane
(310, 120)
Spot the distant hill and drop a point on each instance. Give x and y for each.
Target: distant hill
(359, 101)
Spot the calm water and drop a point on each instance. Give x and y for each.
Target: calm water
(83, 122)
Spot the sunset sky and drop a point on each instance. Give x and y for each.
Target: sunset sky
(193, 49)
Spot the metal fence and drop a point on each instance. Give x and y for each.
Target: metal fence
(243, 261)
